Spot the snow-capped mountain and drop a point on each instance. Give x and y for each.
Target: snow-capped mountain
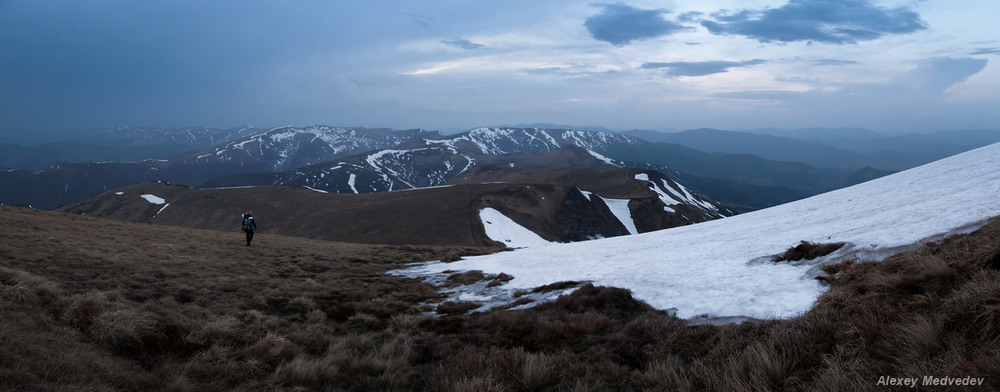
(287, 148)
(500, 141)
(723, 267)
(431, 159)
(362, 160)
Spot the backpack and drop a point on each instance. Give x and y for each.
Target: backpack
(246, 225)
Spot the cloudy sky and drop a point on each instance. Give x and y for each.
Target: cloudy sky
(887, 65)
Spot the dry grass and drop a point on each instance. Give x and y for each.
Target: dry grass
(806, 250)
(130, 307)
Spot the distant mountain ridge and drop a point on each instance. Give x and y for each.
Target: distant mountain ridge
(364, 160)
(830, 148)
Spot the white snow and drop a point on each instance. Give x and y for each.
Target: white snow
(350, 182)
(314, 189)
(500, 228)
(153, 199)
(602, 158)
(619, 207)
(666, 199)
(119, 193)
(721, 268)
(161, 209)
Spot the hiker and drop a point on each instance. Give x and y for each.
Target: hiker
(249, 226)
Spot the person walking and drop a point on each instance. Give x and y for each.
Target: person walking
(249, 225)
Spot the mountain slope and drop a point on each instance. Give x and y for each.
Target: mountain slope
(776, 148)
(740, 168)
(291, 147)
(723, 268)
(829, 148)
(555, 210)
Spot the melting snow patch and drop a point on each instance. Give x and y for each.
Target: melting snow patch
(161, 209)
(619, 207)
(350, 182)
(119, 193)
(153, 199)
(314, 189)
(502, 229)
(602, 158)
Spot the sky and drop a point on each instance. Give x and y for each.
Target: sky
(893, 66)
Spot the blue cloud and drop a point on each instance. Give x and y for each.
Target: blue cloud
(937, 74)
(420, 20)
(620, 24)
(829, 21)
(700, 68)
(834, 62)
(462, 44)
(982, 51)
(925, 82)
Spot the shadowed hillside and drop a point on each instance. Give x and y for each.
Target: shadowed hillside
(92, 304)
(550, 205)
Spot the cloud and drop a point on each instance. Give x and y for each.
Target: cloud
(926, 82)
(937, 74)
(829, 21)
(462, 44)
(700, 68)
(620, 24)
(834, 62)
(982, 51)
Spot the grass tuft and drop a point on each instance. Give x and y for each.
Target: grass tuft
(806, 250)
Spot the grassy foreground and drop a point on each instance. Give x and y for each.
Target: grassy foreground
(90, 304)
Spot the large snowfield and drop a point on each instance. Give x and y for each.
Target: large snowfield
(722, 268)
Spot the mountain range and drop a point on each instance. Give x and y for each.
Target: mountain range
(830, 148)
(363, 160)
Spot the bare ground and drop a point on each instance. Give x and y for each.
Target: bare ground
(91, 304)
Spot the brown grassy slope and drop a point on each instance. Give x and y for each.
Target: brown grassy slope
(437, 216)
(92, 304)
(608, 182)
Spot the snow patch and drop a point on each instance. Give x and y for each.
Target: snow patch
(619, 207)
(314, 189)
(666, 199)
(502, 229)
(350, 182)
(602, 158)
(119, 193)
(153, 199)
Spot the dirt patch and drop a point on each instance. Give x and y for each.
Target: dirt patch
(464, 278)
(806, 250)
